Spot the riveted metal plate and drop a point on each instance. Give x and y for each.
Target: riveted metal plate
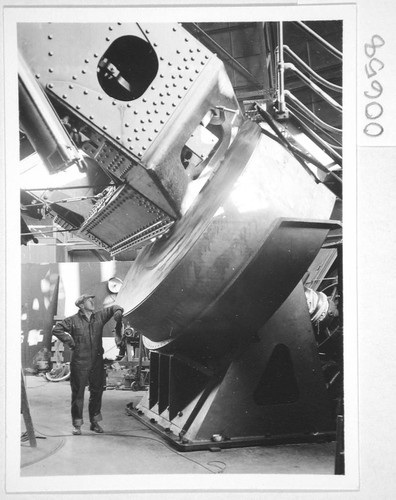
(150, 130)
(123, 220)
(71, 74)
(107, 156)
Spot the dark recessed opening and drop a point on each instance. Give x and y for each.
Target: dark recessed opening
(127, 68)
(278, 383)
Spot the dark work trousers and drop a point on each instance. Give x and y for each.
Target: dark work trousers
(84, 337)
(80, 376)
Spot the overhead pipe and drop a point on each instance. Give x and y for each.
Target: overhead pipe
(320, 123)
(321, 93)
(336, 144)
(42, 125)
(280, 73)
(314, 75)
(330, 48)
(329, 149)
(224, 53)
(299, 155)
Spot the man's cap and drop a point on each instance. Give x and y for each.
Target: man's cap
(82, 298)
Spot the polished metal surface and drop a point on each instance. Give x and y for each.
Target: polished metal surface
(174, 287)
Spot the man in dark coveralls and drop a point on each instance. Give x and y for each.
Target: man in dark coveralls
(83, 334)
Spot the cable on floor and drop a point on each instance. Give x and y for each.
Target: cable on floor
(25, 437)
(32, 462)
(172, 450)
(221, 469)
(119, 434)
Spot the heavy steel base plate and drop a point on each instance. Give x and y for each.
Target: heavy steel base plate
(185, 445)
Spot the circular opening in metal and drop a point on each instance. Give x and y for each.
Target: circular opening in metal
(127, 68)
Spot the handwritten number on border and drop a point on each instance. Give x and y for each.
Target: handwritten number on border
(373, 109)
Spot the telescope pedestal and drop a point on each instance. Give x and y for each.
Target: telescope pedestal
(272, 391)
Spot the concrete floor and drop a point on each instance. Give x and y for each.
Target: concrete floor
(129, 447)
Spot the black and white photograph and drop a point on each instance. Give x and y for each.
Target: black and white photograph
(183, 211)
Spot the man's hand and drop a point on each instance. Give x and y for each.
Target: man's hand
(118, 316)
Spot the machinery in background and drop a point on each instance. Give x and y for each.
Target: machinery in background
(231, 210)
(60, 370)
(132, 356)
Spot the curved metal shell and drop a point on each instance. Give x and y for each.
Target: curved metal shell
(234, 257)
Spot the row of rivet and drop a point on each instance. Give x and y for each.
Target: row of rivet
(137, 138)
(142, 237)
(62, 222)
(178, 51)
(142, 229)
(119, 164)
(101, 212)
(127, 125)
(125, 196)
(96, 240)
